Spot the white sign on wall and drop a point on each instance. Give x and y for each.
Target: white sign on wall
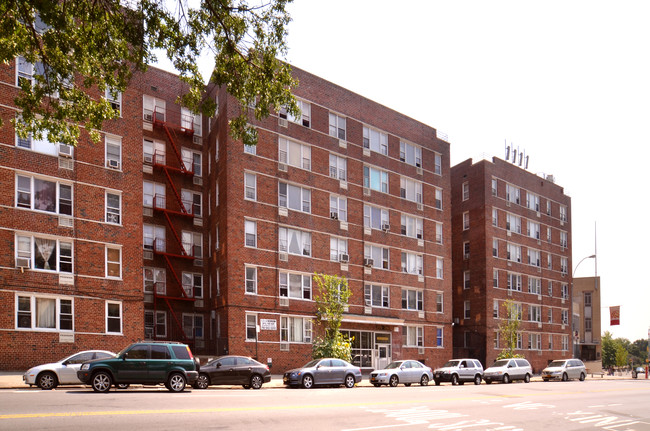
(269, 324)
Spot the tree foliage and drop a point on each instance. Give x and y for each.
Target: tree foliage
(608, 347)
(78, 46)
(621, 352)
(332, 296)
(509, 330)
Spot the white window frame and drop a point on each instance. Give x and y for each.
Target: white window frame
(466, 220)
(153, 108)
(192, 161)
(193, 284)
(338, 246)
(292, 195)
(61, 188)
(375, 140)
(337, 126)
(467, 309)
(193, 325)
(303, 239)
(113, 213)
(294, 153)
(535, 285)
(113, 263)
(250, 186)
(108, 317)
(410, 154)
(412, 226)
(114, 97)
(412, 299)
(33, 300)
(285, 282)
(465, 191)
(439, 268)
(370, 213)
(115, 156)
(413, 336)
(154, 152)
(438, 198)
(514, 252)
(339, 206)
(534, 313)
(295, 329)
(192, 243)
(338, 167)
(24, 240)
(410, 189)
(250, 233)
(251, 326)
(514, 282)
(375, 179)
(376, 292)
(155, 235)
(250, 280)
(437, 164)
(411, 263)
(192, 201)
(380, 255)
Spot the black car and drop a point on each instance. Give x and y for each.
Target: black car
(233, 370)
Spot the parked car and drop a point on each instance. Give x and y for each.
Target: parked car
(150, 363)
(233, 370)
(564, 369)
(507, 370)
(459, 371)
(63, 372)
(328, 371)
(405, 372)
(637, 371)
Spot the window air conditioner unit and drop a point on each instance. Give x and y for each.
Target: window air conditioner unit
(284, 257)
(148, 158)
(344, 258)
(112, 218)
(283, 122)
(284, 347)
(197, 140)
(23, 262)
(113, 164)
(282, 167)
(197, 181)
(385, 227)
(148, 116)
(334, 216)
(421, 350)
(368, 262)
(284, 301)
(65, 150)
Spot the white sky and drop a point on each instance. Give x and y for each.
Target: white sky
(568, 82)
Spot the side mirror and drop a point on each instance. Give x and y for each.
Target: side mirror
(218, 364)
(125, 356)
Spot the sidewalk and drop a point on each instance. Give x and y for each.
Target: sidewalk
(14, 380)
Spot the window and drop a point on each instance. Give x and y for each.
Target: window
(153, 109)
(113, 207)
(513, 223)
(153, 152)
(155, 325)
(535, 285)
(438, 233)
(550, 315)
(411, 226)
(337, 126)
(410, 190)
(294, 154)
(302, 118)
(466, 279)
(295, 329)
(550, 288)
(374, 217)
(495, 308)
(153, 236)
(192, 161)
(563, 239)
(376, 296)
(192, 243)
(114, 97)
(439, 268)
(251, 327)
(437, 164)
(587, 299)
(439, 303)
(495, 247)
(113, 152)
(293, 285)
(564, 265)
(250, 229)
(512, 194)
(191, 122)
(438, 199)
(466, 250)
(412, 299)
(534, 257)
(192, 284)
(495, 278)
(548, 207)
(251, 280)
(338, 167)
(113, 262)
(338, 246)
(534, 313)
(154, 278)
(339, 207)
(153, 193)
(29, 71)
(519, 342)
(494, 186)
(375, 140)
(413, 336)
(250, 186)
(113, 317)
(378, 255)
(535, 341)
(465, 191)
(532, 201)
(193, 326)
(48, 254)
(587, 324)
(495, 217)
(550, 341)
(375, 179)
(250, 149)
(514, 252)
(411, 154)
(533, 229)
(466, 309)
(438, 337)
(44, 312)
(565, 317)
(496, 339)
(192, 202)
(563, 213)
(294, 197)
(549, 261)
(466, 220)
(411, 263)
(565, 291)
(294, 241)
(43, 195)
(514, 281)
(565, 343)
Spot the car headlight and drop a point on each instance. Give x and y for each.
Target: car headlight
(84, 367)
(381, 375)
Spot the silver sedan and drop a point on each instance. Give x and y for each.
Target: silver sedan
(406, 372)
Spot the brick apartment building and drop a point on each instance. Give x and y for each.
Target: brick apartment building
(511, 241)
(586, 318)
(170, 229)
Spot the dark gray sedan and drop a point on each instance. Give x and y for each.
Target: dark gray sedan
(328, 371)
(233, 370)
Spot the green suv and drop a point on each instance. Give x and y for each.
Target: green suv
(147, 363)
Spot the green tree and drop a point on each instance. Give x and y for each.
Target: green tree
(80, 46)
(332, 295)
(621, 354)
(509, 330)
(608, 350)
(638, 351)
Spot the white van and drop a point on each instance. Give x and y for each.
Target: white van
(507, 370)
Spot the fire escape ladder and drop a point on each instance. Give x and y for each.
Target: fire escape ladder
(175, 317)
(178, 239)
(172, 142)
(175, 276)
(178, 197)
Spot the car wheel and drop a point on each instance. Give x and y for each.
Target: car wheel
(202, 382)
(393, 381)
(349, 381)
(176, 382)
(101, 382)
(506, 378)
(527, 378)
(424, 380)
(46, 381)
(454, 379)
(565, 377)
(307, 381)
(582, 377)
(256, 381)
(477, 379)
(437, 382)
(122, 386)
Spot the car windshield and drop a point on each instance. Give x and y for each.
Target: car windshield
(557, 364)
(311, 363)
(451, 364)
(501, 363)
(393, 365)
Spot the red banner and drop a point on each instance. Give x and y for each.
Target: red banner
(615, 315)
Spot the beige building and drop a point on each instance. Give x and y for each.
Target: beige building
(586, 313)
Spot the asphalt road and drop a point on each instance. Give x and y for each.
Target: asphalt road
(615, 405)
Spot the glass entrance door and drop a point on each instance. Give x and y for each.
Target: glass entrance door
(382, 356)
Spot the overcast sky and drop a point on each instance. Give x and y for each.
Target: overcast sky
(568, 82)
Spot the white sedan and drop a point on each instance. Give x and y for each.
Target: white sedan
(63, 372)
(405, 372)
